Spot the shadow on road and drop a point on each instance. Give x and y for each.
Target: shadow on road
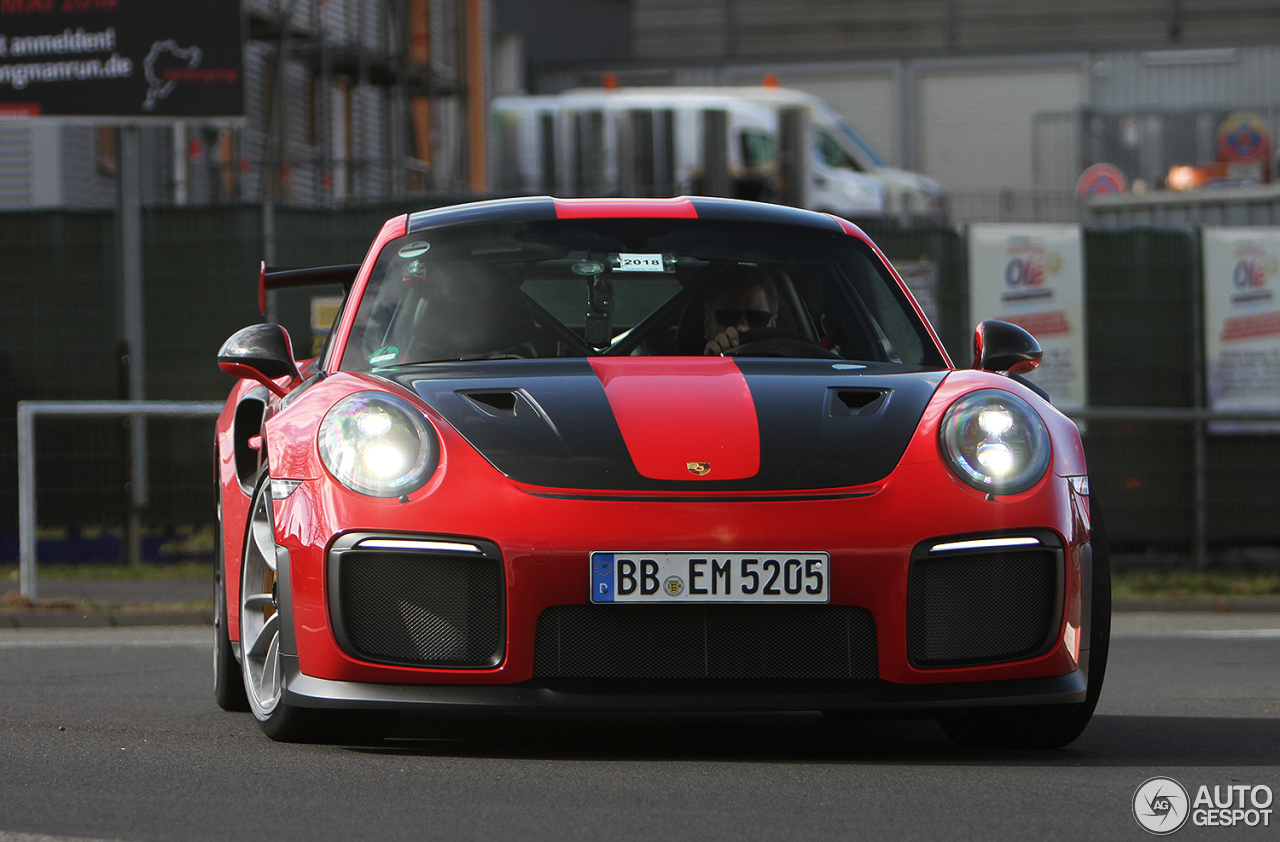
(810, 737)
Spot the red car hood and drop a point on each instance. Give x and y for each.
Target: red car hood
(681, 423)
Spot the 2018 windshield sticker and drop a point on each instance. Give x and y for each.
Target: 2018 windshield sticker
(384, 355)
(638, 262)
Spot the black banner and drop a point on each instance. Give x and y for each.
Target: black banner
(121, 58)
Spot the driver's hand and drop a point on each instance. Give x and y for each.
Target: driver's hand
(723, 341)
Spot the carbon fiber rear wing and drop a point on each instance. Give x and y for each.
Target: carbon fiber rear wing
(275, 277)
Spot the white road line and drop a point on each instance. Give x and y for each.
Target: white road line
(1202, 634)
(5, 836)
(132, 637)
(1173, 624)
(7, 646)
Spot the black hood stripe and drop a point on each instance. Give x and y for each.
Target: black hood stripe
(573, 441)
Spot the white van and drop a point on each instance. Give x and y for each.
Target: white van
(655, 141)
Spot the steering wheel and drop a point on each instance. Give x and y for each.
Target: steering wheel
(778, 342)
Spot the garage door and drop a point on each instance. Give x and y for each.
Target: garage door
(975, 127)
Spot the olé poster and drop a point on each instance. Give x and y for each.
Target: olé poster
(1033, 276)
(1242, 320)
(921, 277)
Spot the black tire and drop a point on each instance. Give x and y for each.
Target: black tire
(261, 663)
(1049, 726)
(228, 684)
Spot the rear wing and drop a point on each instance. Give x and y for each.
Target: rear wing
(274, 277)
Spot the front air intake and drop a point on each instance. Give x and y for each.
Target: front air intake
(705, 641)
(983, 607)
(418, 607)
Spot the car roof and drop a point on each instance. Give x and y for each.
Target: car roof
(546, 208)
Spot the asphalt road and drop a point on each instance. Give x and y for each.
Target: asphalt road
(112, 734)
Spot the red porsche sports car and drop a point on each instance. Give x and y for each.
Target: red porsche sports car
(648, 454)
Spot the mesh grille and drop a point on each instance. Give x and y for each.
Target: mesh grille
(421, 609)
(705, 641)
(981, 608)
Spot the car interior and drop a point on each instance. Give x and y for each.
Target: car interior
(462, 302)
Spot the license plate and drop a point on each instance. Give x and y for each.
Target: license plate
(710, 577)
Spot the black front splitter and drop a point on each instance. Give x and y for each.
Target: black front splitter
(695, 695)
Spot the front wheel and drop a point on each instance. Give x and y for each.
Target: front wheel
(1049, 726)
(260, 645)
(260, 620)
(228, 685)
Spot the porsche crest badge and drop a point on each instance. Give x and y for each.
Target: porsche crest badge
(699, 468)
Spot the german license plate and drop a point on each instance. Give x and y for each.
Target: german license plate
(710, 577)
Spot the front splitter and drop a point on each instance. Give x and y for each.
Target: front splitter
(593, 696)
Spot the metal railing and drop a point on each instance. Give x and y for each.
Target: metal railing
(1200, 421)
(1201, 490)
(27, 413)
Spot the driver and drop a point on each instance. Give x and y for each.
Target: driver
(739, 298)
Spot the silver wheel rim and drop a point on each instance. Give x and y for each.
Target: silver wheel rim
(259, 619)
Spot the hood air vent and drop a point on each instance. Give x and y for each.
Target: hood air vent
(502, 403)
(842, 403)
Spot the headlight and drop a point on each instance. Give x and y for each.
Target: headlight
(378, 444)
(995, 441)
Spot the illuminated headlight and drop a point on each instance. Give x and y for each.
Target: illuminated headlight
(995, 441)
(378, 444)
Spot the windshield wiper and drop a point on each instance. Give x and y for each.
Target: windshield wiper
(462, 359)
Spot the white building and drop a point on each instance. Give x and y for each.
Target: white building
(1004, 102)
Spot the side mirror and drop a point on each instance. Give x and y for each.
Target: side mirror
(1001, 346)
(261, 353)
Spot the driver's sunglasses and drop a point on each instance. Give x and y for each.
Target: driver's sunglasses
(754, 318)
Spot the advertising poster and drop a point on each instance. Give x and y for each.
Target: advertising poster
(1242, 322)
(324, 312)
(921, 277)
(1033, 276)
(120, 58)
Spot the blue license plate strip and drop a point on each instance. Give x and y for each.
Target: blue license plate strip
(782, 577)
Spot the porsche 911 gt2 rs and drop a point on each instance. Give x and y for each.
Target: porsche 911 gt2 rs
(648, 455)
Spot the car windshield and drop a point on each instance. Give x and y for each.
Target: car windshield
(638, 287)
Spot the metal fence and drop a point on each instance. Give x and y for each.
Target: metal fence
(1010, 205)
(61, 328)
(1174, 486)
(1175, 491)
(137, 412)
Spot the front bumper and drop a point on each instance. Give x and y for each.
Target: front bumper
(707, 695)
(870, 539)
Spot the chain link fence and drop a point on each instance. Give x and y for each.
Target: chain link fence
(62, 327)
(1171, 487)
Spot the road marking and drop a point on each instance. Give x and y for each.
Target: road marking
(132, 637)
(1188, 625)
(1204, 634)
(5, 836)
